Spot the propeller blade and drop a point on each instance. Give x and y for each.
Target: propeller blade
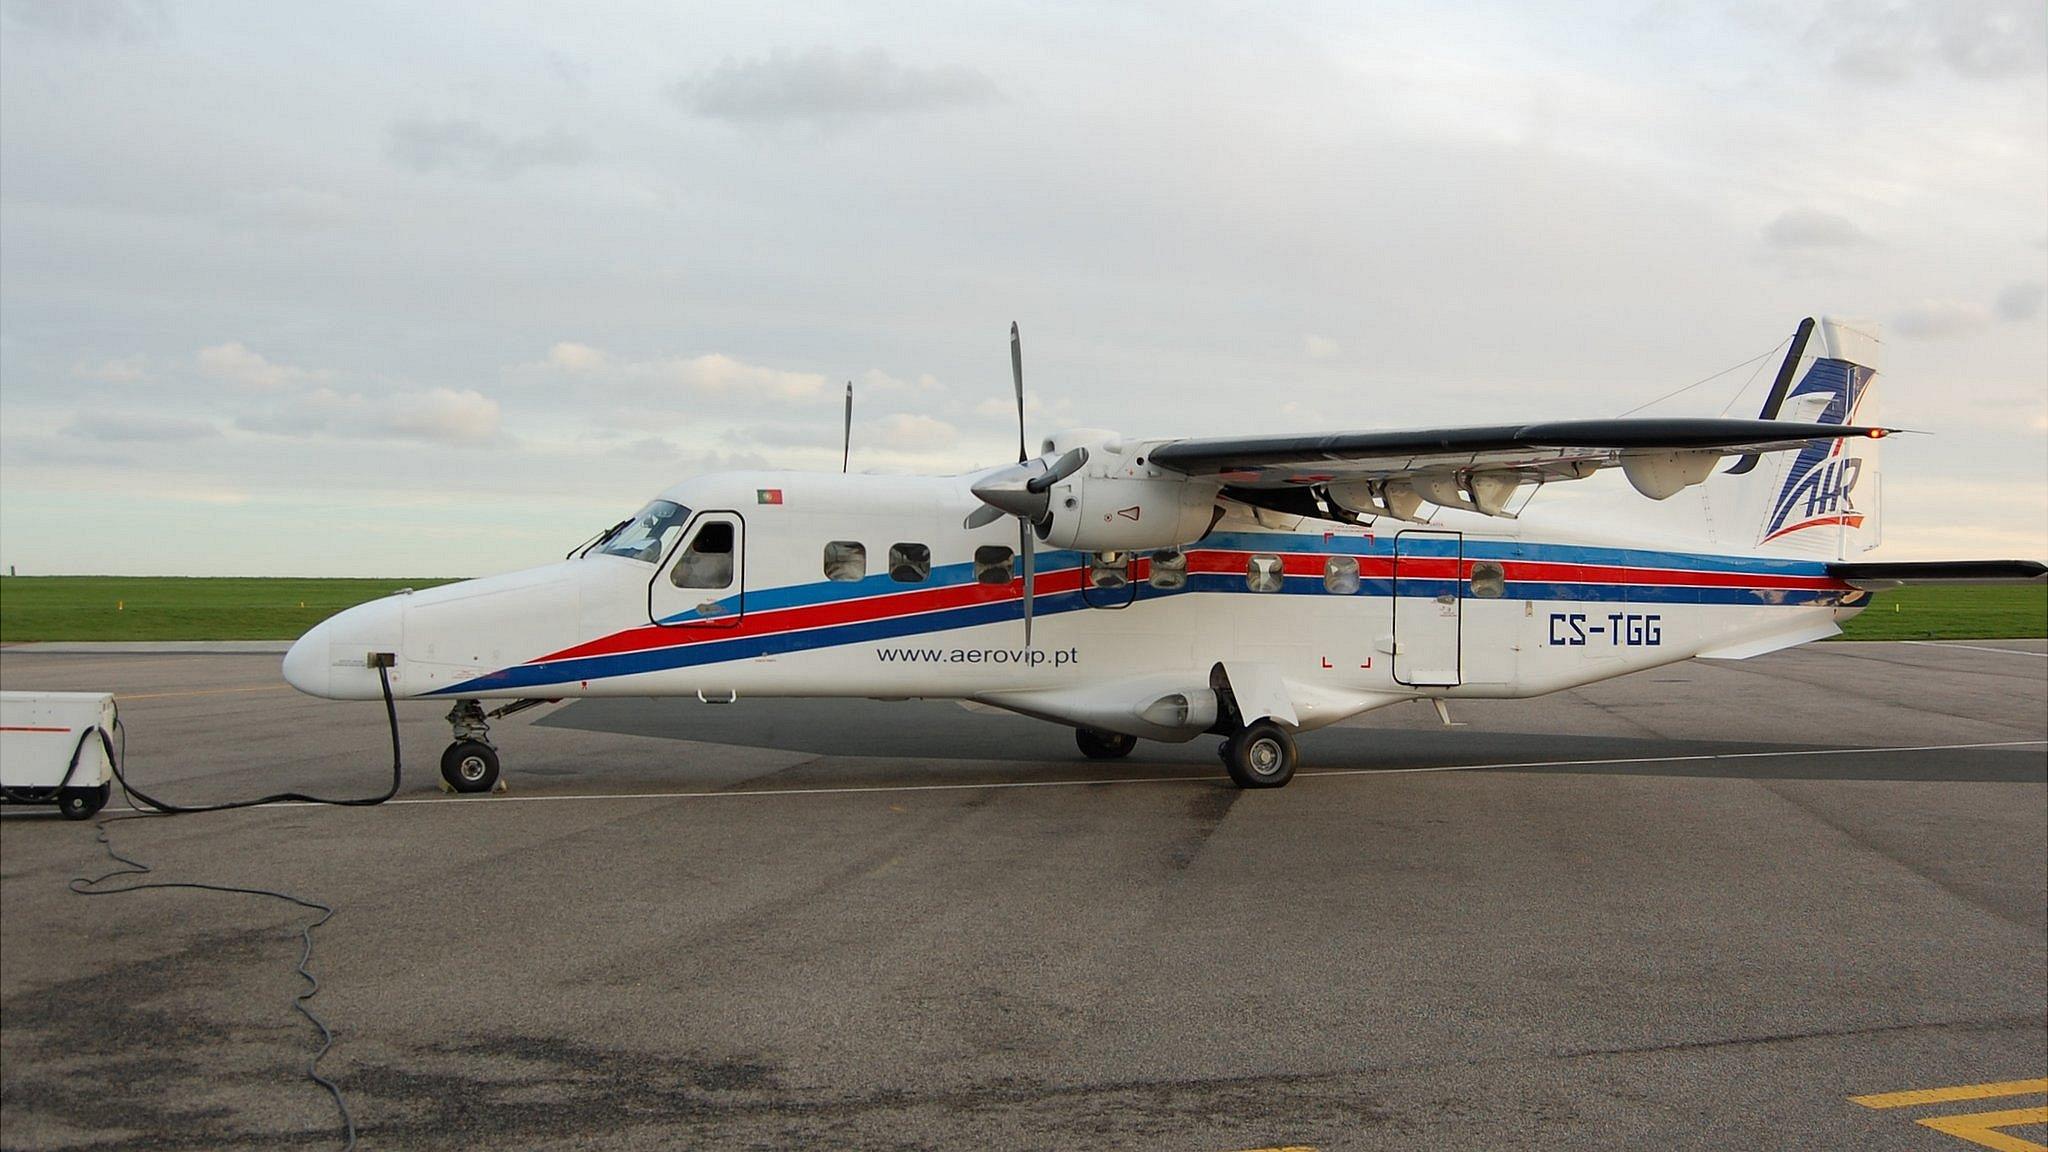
(846, 444)
(1017, 374)
(1026, 546)
(1069, 463)
(982, 517)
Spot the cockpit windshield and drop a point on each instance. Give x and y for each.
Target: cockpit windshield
(649, 533)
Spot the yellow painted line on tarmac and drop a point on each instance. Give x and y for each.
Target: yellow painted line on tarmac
(1945, 1095)
(200, 692)
(1980, 1128)
(1983, 1128)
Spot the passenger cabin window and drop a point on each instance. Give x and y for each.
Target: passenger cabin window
(1264, 574)
(1340, 575)
(992, 564)
(1169, 568)
(845, 560)
(1109, 570)
(707, 561)
(909, 563)
(1488, 581)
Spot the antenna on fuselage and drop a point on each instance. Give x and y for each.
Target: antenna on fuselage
(846, 439)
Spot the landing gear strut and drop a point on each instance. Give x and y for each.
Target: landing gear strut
(1259, 755)
(470, 764)
(1099, 745)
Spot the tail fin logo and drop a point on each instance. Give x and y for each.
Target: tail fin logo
(1819, 489)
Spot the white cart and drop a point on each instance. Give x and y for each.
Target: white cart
(51, 753)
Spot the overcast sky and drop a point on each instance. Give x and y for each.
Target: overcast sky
(418, 290)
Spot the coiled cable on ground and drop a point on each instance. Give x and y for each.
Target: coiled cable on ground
(145, 803)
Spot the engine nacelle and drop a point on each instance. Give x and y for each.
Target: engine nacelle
(1119, 502)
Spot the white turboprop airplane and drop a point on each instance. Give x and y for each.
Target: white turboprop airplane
(1250, 587)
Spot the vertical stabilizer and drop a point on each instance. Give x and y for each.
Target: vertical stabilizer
(1821, 500)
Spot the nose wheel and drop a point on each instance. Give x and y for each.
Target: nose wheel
(470, 764)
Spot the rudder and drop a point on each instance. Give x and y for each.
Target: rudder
(1823, 499)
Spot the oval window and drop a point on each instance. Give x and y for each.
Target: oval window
(1488, 581)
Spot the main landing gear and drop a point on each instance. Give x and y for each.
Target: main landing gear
(1259, 755)
(470, 764)
(1099, 745)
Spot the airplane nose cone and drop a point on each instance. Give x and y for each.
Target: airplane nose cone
(332, 660)
(307, 662)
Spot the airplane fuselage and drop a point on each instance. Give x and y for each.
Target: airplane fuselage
(869, 586)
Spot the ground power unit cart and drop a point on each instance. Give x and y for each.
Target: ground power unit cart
(52, 752)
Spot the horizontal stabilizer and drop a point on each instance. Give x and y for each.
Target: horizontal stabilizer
(1890, 575)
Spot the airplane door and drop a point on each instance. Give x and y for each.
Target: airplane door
(702, 584)
(1427, 607)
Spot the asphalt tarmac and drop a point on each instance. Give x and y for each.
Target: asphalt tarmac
(1701, 907)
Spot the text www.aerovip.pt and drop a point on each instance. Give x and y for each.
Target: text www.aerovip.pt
(1025, 657)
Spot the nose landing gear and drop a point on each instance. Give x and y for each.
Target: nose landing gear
(470, 764)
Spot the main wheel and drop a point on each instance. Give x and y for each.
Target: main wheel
(1261, 755)
(82, 803)
(470, 766)
(1098, 745)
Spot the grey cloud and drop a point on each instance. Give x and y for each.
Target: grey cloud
(436, 415)
(1942, 320)
(1813, 228)
(138, 427)
(2020, 301)
(826, 87)
(102, 21)
(468, 147)
(1978, 39)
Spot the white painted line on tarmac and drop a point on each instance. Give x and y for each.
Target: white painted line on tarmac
(741, 793)
(1974, 648)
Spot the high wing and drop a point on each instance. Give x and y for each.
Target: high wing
(1391, 473)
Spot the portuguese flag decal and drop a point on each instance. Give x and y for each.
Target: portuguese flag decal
(767, 495)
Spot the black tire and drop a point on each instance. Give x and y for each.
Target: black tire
(83, 803)
(1098, 745)
(470, 766)
(1262, 755)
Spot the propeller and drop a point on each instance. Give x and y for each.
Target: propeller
(846, 443)
(1023, 490)
(1017, 374)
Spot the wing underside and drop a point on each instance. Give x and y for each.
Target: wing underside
(1392, 473)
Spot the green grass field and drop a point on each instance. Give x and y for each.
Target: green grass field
(176, 608)
(1954, 612)
(247, 608)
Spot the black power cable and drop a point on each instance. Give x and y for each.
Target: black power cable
(168, 809)
(89, 887)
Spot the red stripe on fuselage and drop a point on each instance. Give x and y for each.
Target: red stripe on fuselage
(885, 605)
(1551, 572)
(855, 611)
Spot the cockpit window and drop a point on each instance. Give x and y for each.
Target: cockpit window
(649, 533)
